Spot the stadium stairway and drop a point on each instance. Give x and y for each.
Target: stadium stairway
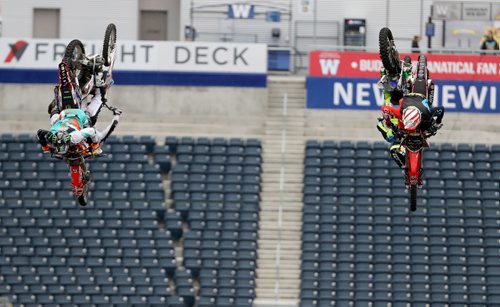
(278, 264)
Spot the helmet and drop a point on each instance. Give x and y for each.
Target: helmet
(60, 141)
(411, 118)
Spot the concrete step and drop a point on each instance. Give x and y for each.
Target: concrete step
(289, 165)
(275, 235)
(285, 226)
(276, 168)
(297, 103)
(277, 196)
(288, 133)
(289, 153)
(275, 302)
(270, 274)
(272, 207)
(275, 140)
(290, 123)
(271, 254)
(289, 144)
(275, 186)
(288, 282)
(289, 216)
(275, 178)
(267, 298)
(286, 285)
(289, 91)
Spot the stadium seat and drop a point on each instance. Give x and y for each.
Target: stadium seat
(369, 222)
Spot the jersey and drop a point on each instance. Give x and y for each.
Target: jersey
(414, 100)
(76, 123)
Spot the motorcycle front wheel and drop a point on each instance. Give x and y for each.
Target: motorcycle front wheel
(83, 199)
(109, 45)
(388, 52)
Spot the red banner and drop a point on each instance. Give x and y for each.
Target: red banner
(440, 66)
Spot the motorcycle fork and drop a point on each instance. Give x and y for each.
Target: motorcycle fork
(413, 168)
(78, 172)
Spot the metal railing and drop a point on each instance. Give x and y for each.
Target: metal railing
(227, 37)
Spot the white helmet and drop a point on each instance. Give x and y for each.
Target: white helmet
(411, 118)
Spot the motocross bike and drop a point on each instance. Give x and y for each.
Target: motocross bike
(79, 76)
(398, 74)
(413, 142)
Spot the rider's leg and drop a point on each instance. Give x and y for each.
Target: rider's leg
(94, 107)
(398, 153)
(53, 109)
(386, 132)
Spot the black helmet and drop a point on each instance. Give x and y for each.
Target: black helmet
(60, 141)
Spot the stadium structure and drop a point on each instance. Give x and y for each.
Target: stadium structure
(243, 172)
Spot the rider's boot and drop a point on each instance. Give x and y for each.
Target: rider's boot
(53, 109)
(398, 153)
(96, 149)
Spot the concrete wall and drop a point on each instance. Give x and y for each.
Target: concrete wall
(81, 19)
(173, 7)
(87, 19)
(149, 102)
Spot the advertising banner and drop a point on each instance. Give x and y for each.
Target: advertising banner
(166, 63)
(348, 80)
(368, 65)
(363, 94)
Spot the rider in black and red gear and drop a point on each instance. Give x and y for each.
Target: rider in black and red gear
(413, 114)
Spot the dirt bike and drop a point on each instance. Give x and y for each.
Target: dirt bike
(79, 76)
(398, 73)
(413, 142)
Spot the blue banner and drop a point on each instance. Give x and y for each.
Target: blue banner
(363, 94)
(240, 11)
(165, 78)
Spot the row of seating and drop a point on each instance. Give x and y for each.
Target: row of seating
(345, 145)
(361, 245)
(54, 252)
(215, 187)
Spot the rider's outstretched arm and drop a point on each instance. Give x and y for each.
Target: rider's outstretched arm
(94, 134)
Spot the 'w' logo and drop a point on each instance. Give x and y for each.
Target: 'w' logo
(243, 11)
(442, 10)
(329, 67)
(16, 50)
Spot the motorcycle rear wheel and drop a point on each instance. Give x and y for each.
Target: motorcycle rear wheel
(413, 197)
(388, 52)
(73, 54)
(109, 45)
(422, 74)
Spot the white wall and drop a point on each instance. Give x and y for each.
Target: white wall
(406, 17)
(81, 19)
(87, 19)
